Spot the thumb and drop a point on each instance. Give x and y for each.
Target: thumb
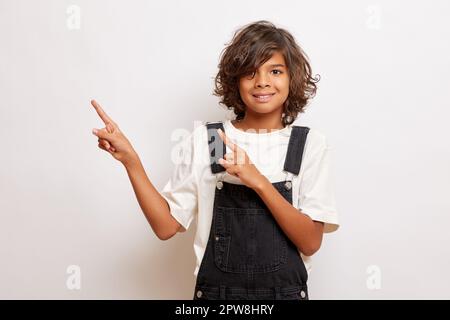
(102, 134)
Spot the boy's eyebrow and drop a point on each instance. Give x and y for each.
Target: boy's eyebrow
(277, 65)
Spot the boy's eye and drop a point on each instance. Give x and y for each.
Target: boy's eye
(250, 74)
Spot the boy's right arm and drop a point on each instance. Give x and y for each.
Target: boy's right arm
(154, 206)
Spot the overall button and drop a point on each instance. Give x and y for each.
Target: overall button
(199, 294)
(303, 294)
(217, 238)
(288, 185)
(219, 185)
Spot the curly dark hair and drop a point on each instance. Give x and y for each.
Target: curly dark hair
(251, 46)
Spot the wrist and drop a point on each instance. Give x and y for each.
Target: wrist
(261, 184)
(131, 161)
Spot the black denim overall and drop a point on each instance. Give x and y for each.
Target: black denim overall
(248, 256)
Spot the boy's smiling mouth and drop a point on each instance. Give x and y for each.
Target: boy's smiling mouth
(263, 97)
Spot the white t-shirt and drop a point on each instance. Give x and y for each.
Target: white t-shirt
(190, 190)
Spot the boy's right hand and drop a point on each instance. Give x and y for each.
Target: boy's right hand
(111, 139)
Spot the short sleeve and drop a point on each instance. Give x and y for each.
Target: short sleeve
(316, 192)
(181, 189)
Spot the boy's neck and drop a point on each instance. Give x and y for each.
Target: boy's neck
(259, 123)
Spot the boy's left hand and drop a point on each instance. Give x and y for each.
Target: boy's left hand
(238, 164)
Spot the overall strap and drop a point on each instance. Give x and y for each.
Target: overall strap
(217, 147)
(294, 153)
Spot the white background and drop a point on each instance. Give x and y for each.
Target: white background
(382, 102)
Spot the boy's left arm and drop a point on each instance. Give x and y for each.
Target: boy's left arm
(305, 233)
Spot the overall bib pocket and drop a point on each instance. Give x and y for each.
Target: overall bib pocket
(248, 240)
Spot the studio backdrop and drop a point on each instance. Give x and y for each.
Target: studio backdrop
(70, 224)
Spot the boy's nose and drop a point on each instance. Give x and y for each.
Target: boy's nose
(262, 81)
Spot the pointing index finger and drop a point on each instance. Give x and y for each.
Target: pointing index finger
(106, 119)
(227, 141)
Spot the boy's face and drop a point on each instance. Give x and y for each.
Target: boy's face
(267, 88)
